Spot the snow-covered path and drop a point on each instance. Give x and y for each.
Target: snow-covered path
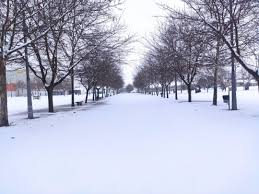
(133, 144)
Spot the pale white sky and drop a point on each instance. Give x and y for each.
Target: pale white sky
(141, 18)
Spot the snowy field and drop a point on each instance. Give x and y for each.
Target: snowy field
(135, 144)
(19, 104)
(248, 101)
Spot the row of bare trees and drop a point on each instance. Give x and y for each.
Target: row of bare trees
(52, 39)
(101, 72)
(206, 42)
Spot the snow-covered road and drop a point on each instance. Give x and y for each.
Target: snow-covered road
(133, 144)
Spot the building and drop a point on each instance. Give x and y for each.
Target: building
(16, 85)
(16, 82)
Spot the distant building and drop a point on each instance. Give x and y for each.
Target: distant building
(16, 82)
(16, 85)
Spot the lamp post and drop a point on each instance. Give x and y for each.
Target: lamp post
(28, 81)
(233, 66)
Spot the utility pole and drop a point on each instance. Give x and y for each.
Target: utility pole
(72, 59)
(28, 81)
(233, 66)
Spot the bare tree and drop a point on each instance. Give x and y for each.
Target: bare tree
(238, 20)
(12, 16)
(190, 53)
(57, 54)
(86, 18)
(179, 51)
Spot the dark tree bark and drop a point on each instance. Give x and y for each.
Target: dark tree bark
(176, 88)
(102, 92)
(97, 90)
(215, 87)
(94, 94)
(167, 91)
(50, 98)
(189, 88)
(181, 86)
(215, 81)
(86, 96)
(72, 88)
(3, 95)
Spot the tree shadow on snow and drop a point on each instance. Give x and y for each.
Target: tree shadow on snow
(43, 113)
(194, 101)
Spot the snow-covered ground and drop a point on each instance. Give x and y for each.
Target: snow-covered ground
(136, 144)
(19, 104)
(248, 100)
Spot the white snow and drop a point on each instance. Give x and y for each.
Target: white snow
(136, 144)
(19, 104)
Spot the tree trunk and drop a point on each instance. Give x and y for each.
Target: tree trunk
(189, 88)
(176, 88)
(107, 92)
(215, 87)
(167, 91)
(181, 86)
(215, 81)
(50, 98)
(3, 95)
(86, 96)
(94, 94)
(72, 88)
(162, 91)
(97, 93)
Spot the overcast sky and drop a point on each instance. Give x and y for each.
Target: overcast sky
(141, 17)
